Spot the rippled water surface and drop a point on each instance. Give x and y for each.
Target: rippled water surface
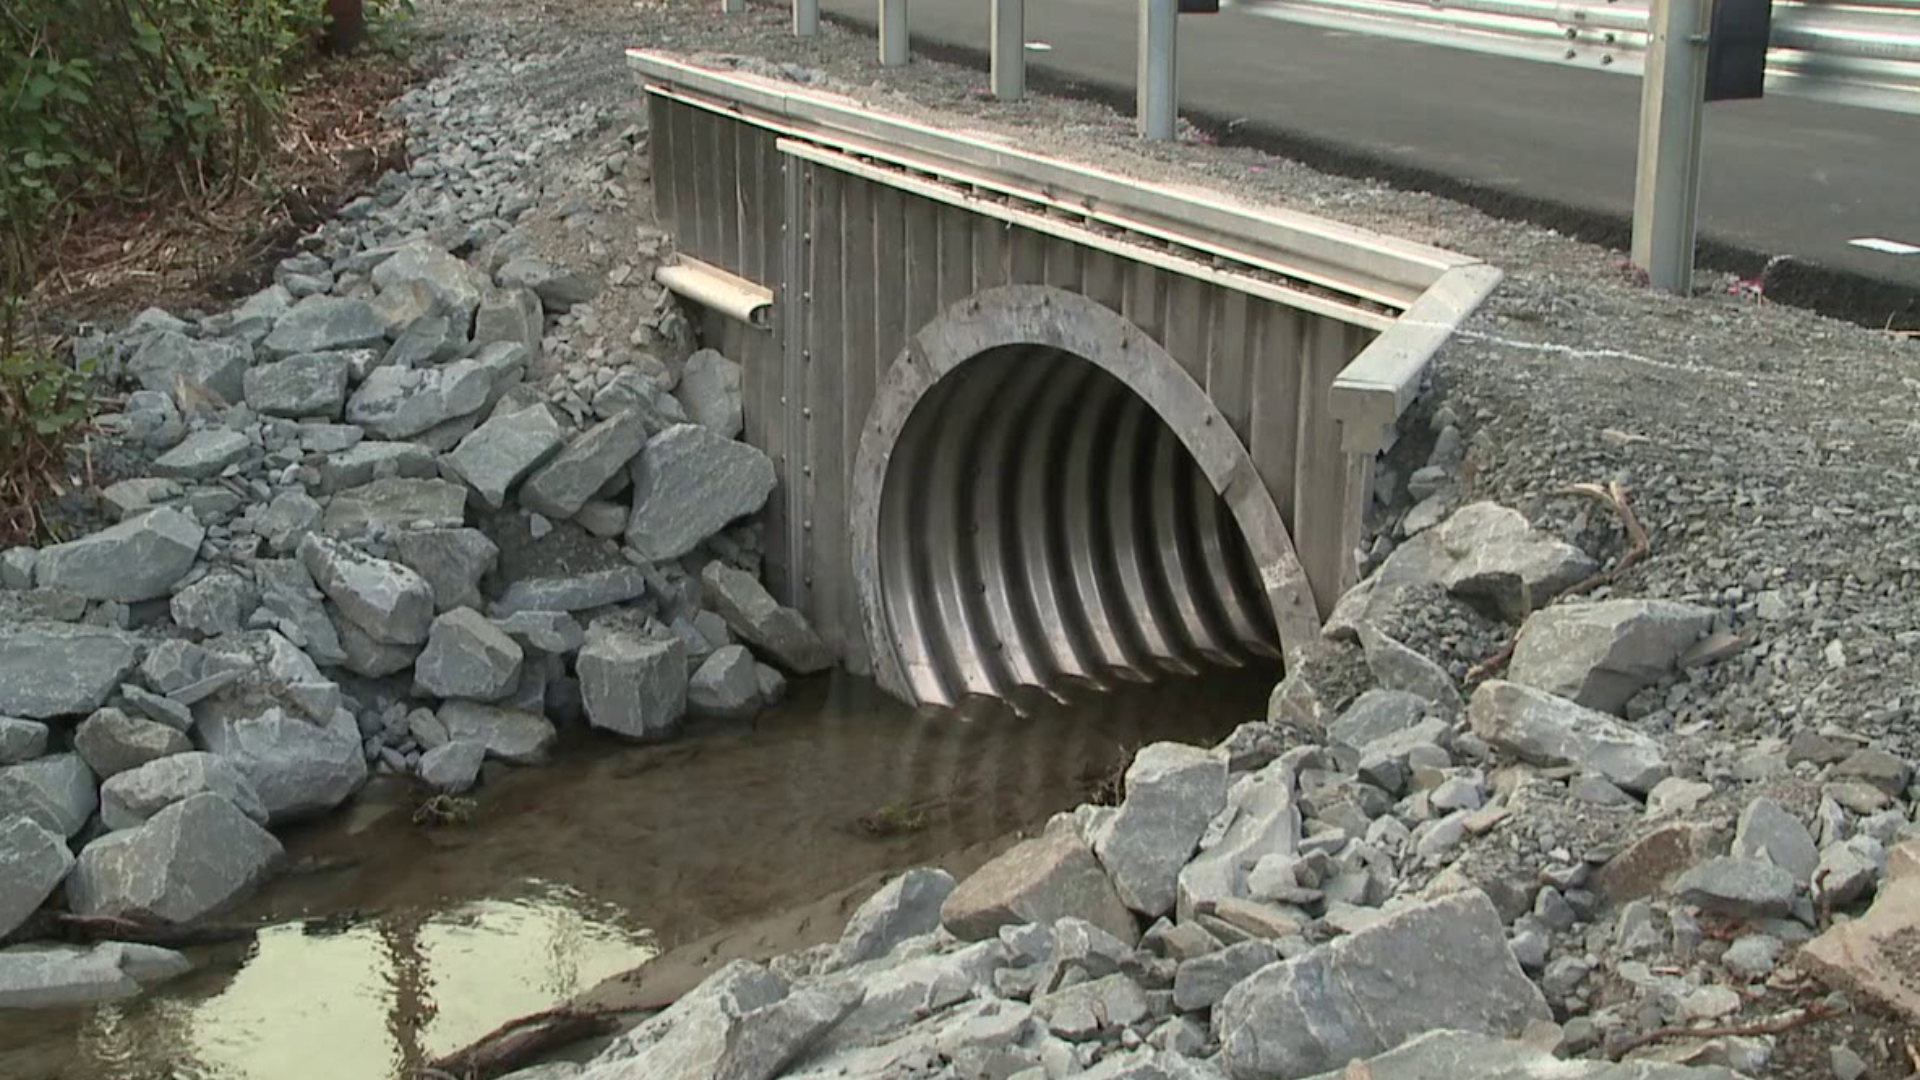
(393, 944)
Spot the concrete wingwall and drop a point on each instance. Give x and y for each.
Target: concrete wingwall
(862, 258)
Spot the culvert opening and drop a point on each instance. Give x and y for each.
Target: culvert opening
(1043, 532)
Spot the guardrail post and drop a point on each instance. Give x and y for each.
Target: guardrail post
(893, 33)
(1666, 190)
(806, 18)
(1009, 33)
(1156, 90)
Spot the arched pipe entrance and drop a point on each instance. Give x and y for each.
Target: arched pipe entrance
(1042, 497)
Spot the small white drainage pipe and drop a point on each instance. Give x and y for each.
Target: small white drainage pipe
(711, 287)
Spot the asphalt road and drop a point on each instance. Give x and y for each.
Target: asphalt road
(1783, 175)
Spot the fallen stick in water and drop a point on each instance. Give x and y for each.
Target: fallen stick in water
(516, 1043)
(91, 928)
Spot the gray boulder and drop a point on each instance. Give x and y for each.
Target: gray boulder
(129, 799)
(1741, 888)
(510, 315)
(111, 742)
(1549, 731)
(467, 657)
(740, 1024)
(906, 907)
(391, 603)
(373, 659)
(66, 976)
(1038, 881)
(597, 589)
(1262, 818)
(510, 735)
(311, 384)
(33, 863)
(631, 391)
(430, 339)
(398, 502)
(1769, 831)
(1849, 870)
(137, 560)
(298, 768)
(710, 391)
(726, 685)
(453, 562)
(1374, 989)
(21, 740)
(1199, 983)
(1101, 1008)
(326, 324)
(502, 451)
(689, 484)
(1496, 555)
(193, 859)
(368, 461)
(52, 669)
(406, 303)
(287, 592)
(780, 633)
(1396, 667)
(558, 290)
(400, 403)
(553, 632)
(561, 487)
(453, 767)
(57, 792)
(1447, 1055)
(204, 454)
(216, 604)
(634, 685)
(1376, 715)
(1600, 654)
(168, 360)
(455, 285)
(1172, 792)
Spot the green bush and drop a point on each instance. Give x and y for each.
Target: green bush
(45, 407)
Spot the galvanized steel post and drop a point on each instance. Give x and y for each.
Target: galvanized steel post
(806, 18)
(1009, 33)
(1666, 191)
(893, 33)
(1156, 91)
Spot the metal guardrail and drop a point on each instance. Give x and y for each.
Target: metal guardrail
(1864, 54)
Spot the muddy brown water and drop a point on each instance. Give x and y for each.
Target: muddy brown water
(391, 944)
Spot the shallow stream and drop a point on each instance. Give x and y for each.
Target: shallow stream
(391, 944)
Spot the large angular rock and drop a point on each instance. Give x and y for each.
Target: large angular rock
(1200, 982)
(502, 451)
(453, 283)
(689, 484)
(631, 391)
(710, 391)
(453, 562)
(562, 486)
(33, 863)
(400, 403)
(1396, 667)
(510, 735)
(21, 740)
(193, 859)
(129, 799)
(430, 339)
(1545, 730)
(1769, 831)
(170, 361)
(1600, 654)
(1262, 818)
(65, 976)
(1372, 990)
(467, 657)
(399, 502)
(906, 907)
(137, 560)
(600, 588)
(111, 742)
(391, 603)
(557, 289)
(311, 384)
(287, 592)
(779, 633)
(453, 767)
(326, 324)
(57, 792)
(1037, 881)
(1172, 792)
(368, 461)
(726, 685)
(375, 660)
(1375, 715)
(1086, 1011)
(740, 1024)
(298, 768)
(1456, 1055)
(509, 315)
(634, 685)
(216, 604)
(1496, 555)
(1742, 888)
(204, 454)
(1871, 957)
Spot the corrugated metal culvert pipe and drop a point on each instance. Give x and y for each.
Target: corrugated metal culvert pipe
(1041, 529)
